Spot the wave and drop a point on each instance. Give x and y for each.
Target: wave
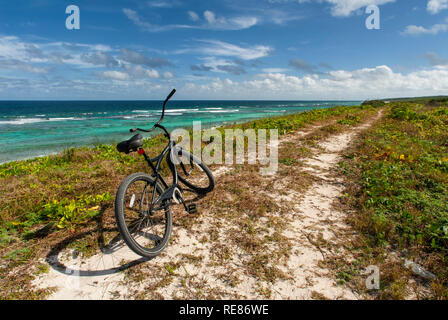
(136, 116)
(141, 111)
(222, 111)
(22, 121)
(166, 111)
(180, 110)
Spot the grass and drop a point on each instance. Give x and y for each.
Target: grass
(397, 181)
(48, 200)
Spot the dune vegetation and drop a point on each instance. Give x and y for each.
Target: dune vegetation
(397, 180)
(396, 177)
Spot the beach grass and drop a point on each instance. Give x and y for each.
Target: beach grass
(396, 182)
(41, 190)
(45, 200)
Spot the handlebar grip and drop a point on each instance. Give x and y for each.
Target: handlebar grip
(171, 94)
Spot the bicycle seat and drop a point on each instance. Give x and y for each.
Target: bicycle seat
(131, 145)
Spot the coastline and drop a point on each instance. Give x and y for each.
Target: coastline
(220, 124)
(26, 134)
(256, 235)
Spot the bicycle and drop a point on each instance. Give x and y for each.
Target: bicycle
(143, 202)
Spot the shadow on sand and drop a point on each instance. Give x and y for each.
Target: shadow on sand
(107, 262)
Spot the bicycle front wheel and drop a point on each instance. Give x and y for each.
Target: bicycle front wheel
(191, 171)
(146, 233)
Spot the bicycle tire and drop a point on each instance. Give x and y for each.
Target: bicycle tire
(203, 166)
(131, 242)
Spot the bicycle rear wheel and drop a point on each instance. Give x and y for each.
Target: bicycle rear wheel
(145, 233)
(191, 171)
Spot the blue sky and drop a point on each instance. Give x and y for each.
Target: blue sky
(227, 49)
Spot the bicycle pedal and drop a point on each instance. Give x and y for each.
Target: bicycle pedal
(192, 208)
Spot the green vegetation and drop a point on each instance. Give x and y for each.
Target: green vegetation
(396, 185)
(421, 100)
(61, 188)
(350, 120)
(46, 200)
(398, 182)
(69, 213)
(374, 103)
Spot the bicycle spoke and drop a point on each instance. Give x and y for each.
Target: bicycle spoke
(147, 229)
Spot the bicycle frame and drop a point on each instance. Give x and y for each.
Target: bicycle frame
(172, 192)
(154, 164)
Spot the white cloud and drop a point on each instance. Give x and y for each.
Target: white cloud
(378, 82)
(418, 30)
(135, 18)
(220, 48)
(359, 84)
(163, 4)
(238, 23)
(234, 23)
(138, 71)
(168, 75)
(24, 55)
(344, 8)
(274, 70)
(23, 66)
(435, 6)
(193, 16)
(115, 75)
(220, 65)
(209, 16)
(212, 22)
(17, 55)
(131, 72)
(13, 48)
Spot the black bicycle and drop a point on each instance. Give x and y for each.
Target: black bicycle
(143, 201)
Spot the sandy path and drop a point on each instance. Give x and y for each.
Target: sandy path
(316, 224)
(313, 226)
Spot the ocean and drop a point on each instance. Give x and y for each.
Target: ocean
(36, 128)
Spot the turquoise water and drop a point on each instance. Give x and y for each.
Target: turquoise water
(36, 128)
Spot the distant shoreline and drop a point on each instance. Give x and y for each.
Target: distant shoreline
(207, 126)
(36, 129)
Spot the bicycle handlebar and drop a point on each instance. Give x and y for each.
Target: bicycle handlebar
(170, 95)
(161, 118)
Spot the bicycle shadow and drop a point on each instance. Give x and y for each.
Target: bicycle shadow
(110, 260)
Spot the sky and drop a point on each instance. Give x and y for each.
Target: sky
(226, 49)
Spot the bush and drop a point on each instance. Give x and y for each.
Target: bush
(69, 213)
(374, 103)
